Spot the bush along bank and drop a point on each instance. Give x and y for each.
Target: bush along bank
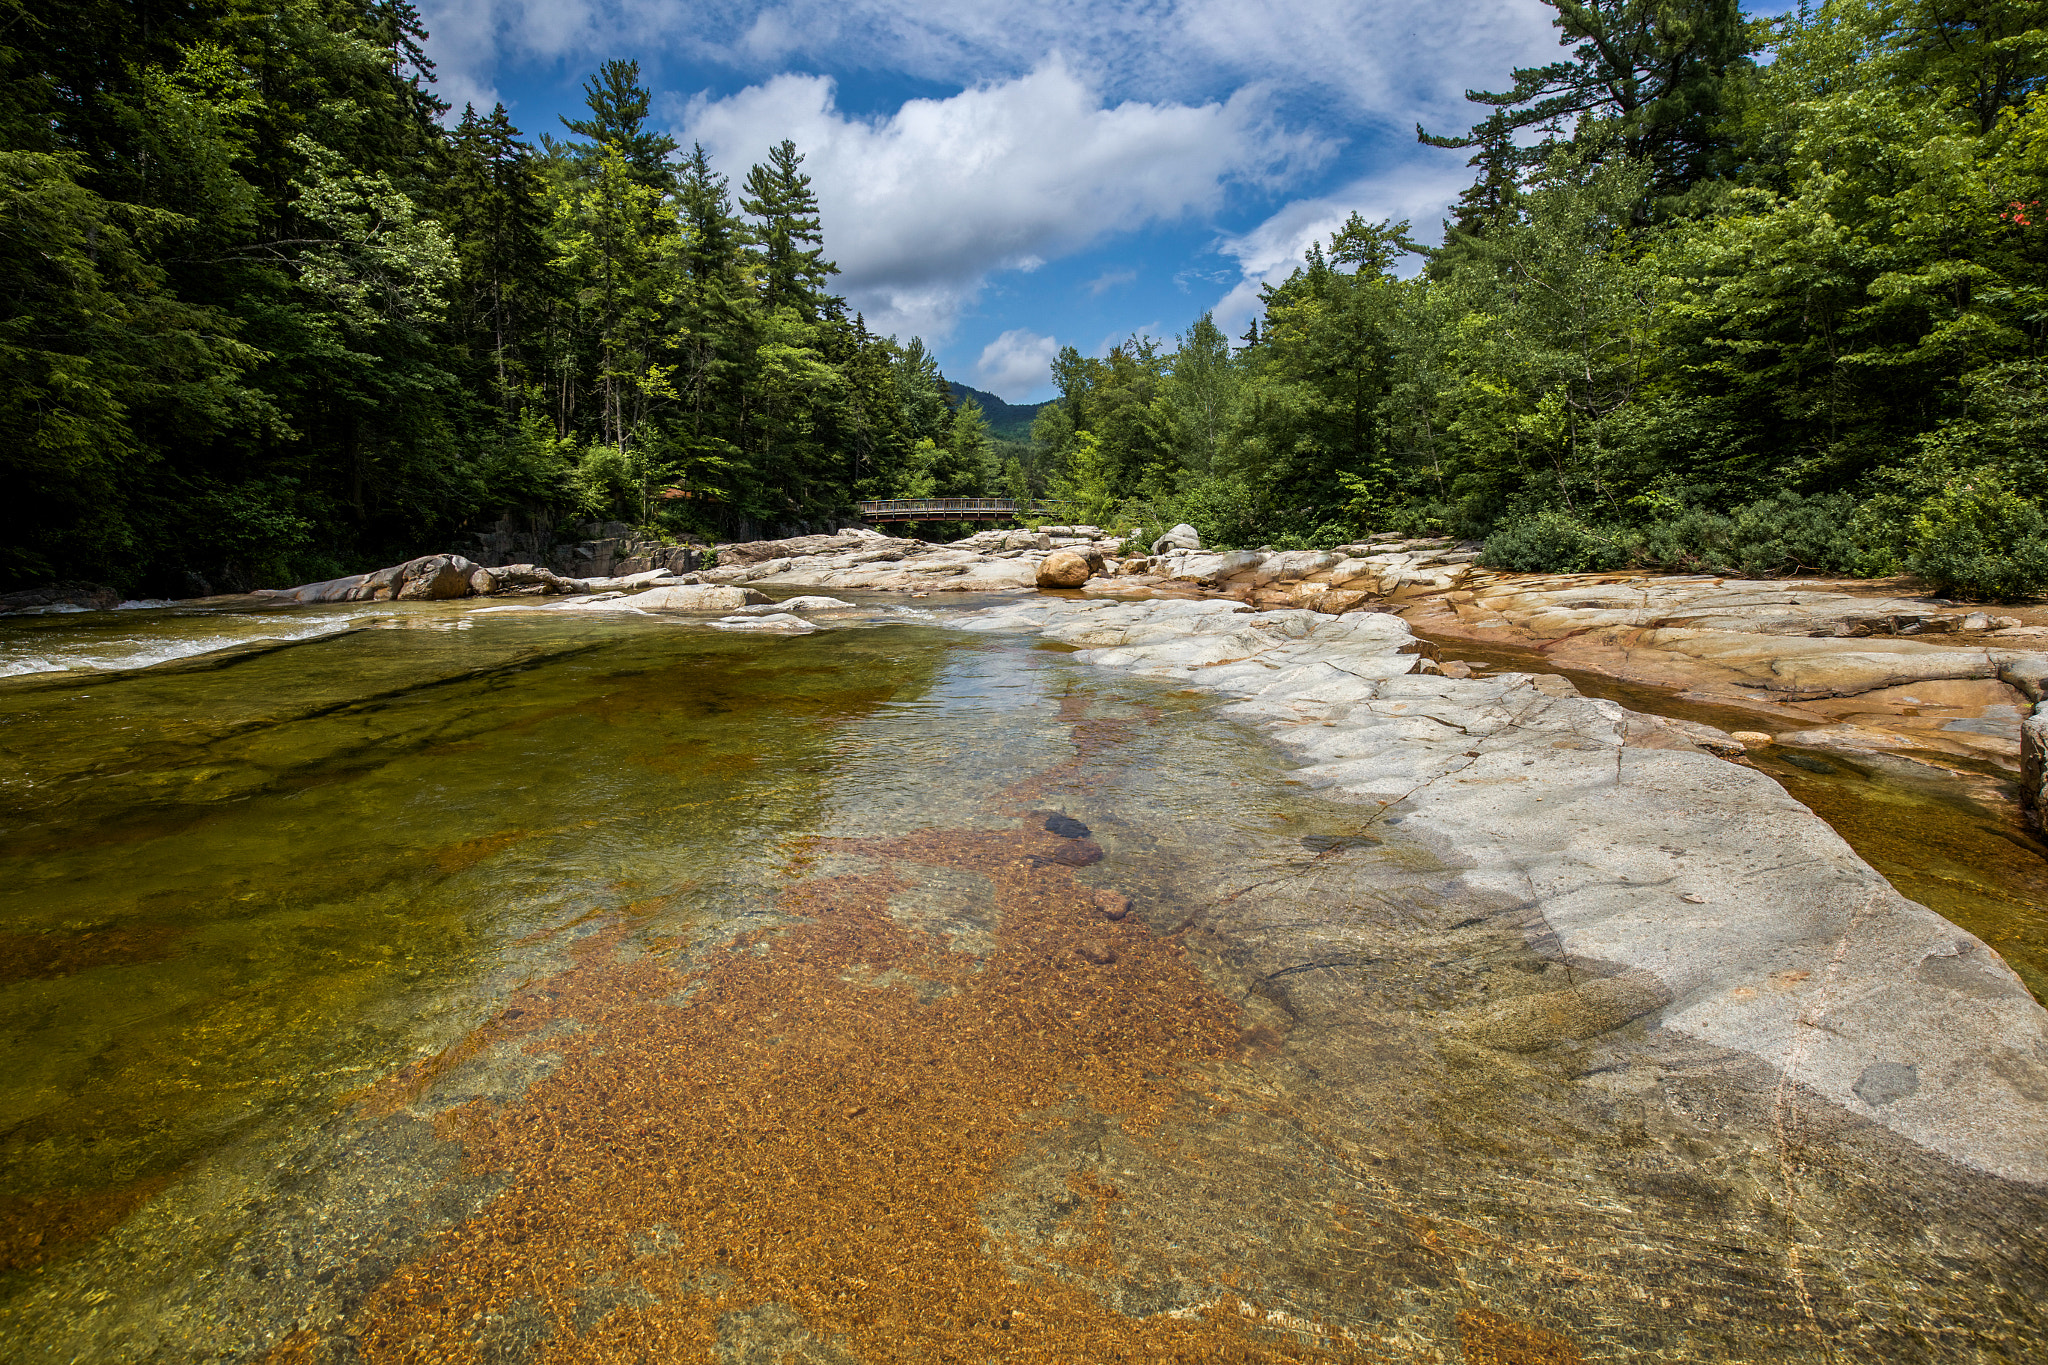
(1976, 540)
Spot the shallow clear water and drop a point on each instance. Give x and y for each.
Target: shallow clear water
(436, 985)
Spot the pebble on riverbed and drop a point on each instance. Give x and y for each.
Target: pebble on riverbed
(1112, 904)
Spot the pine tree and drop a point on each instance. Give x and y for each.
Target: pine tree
(1201, 388)
(399, 31)
(779, 197)
(495, 207)
(1651, 76)
(618, 123)
(1492, 197)
(712, 317)
(978, 471)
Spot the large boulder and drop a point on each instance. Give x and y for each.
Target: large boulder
(761, 551)
(519, 580)
(432, 578)
(426, 579)
(59, 597)
(1181, 537)
(1063, 569)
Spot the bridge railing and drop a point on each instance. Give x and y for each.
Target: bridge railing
(953, 509)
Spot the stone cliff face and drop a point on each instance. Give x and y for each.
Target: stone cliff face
(589, 549)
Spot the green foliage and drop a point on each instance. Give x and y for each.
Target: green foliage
(606, 483)
(259, 308)
(974, 452)
(1550, 541)
(1786, 534)
(93, 344)
(1089, 480)
(1653, 78)
(1720, 316)
(1979, 539)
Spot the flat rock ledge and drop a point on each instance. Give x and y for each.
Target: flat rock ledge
(1819, 666)
(1693, 893)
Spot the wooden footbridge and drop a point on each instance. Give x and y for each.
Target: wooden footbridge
(959, 509)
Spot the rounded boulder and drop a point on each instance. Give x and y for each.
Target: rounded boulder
(1063, 569)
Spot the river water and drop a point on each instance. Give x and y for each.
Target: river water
(448, 985)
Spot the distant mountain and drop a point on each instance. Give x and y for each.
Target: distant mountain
(1011, 421)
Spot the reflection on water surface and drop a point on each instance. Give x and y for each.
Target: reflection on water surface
(503, 988)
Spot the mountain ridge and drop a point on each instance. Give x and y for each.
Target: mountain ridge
(1011, 421)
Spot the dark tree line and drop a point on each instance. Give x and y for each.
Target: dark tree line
(265, 315)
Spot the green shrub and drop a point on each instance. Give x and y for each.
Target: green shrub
(1550, 542)
(1785, 534)
(1977, 538)
(1230, 512)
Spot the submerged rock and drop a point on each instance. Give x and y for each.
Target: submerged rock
(800, 605)
(1077, 853)
(1530, 1023)
(1112, 905)
(778, 621)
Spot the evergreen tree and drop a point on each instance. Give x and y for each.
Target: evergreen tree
(1651, 76)
(1491, 198)
(618, 124)
(1202, 388)
(974, 453)
(494, 205)
(787, 226)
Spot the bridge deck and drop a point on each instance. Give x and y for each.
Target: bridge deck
(956, 509)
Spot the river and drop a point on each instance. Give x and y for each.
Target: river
(432, 984)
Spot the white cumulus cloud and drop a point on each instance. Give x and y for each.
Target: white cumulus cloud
(1418, 191)
(1016, 364)
(1393, 60)
(920, 206)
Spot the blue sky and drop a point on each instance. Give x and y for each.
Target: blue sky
(1012, 176)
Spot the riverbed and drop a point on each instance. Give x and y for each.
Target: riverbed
(440, 984)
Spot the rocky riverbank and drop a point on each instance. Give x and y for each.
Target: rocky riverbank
(1817, 664)
(1680, 892)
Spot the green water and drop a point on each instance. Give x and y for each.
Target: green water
(235, 889)
(243, 890)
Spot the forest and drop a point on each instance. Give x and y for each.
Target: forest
(1726, 294)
